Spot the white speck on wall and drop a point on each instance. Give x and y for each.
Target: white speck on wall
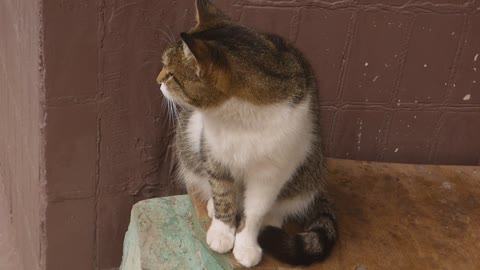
(408, 126)
(428, 97)
(359, 136)
(376, 77)
(359, 141)
(445, 84)
(446, 185)
(425, 65)
(453, 33)
(474, 81)
(415, 116)
(416, 101)
(475, 58)
(475, 69)
(396, 150)
(467, 97)
(366, 64)
(454, 85)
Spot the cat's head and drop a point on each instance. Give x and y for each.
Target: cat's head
(219, 59)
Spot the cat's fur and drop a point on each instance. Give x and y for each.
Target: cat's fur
(248, 140)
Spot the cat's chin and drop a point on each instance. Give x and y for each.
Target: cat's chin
(165, 92)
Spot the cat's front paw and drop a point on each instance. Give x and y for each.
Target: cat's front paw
(220, 236)
(210, 208)
(247, 251)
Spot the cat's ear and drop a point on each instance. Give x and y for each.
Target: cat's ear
(203, 55)
(207, 12)
(195, 52)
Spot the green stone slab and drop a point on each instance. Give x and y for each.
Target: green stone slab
(164, 233)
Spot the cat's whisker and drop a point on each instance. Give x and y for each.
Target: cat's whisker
(171, 33)
(167, 36)
(175, 109)
(164, 106)
(169, 112)
(179, 19)
(154, 52)
(172, 36)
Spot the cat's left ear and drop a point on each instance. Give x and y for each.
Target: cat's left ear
(208, 12)
(201, 54)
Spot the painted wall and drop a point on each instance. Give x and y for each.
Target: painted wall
(22, 179)
(399, 81)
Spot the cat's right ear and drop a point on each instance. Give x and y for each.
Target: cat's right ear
(195, 52)
(203, 55)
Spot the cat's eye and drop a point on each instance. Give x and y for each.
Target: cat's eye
(168, 75)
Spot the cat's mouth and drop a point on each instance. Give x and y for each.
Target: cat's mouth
(165, 92)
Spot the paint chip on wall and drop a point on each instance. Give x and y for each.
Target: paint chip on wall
(467, 97)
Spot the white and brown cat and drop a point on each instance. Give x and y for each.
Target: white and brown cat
(247, 139)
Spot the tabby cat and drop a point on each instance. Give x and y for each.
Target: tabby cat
(247, 139)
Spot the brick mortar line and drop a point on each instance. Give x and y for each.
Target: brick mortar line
(101, 35)
(351, 29)
(295, 25)
(459, 108)
(351, 33)
(408, 33)
(462, 40)
(451, 81)
(414, 9)
(436, 135)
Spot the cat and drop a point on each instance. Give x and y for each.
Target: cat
(247, 140)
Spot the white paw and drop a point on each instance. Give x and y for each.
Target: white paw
(247, 251)
(220, 236)
(210, 208)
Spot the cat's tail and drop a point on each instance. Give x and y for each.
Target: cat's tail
(307, 247)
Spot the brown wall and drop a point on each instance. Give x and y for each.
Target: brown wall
(21, 121)
(399, 80)
(408, 106)
(393, 80)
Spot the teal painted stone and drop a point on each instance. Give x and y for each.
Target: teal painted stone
(165, 234)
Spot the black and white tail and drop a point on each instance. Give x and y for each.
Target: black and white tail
(303, 248)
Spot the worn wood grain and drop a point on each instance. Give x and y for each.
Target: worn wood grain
(397, 216)
(391, 216)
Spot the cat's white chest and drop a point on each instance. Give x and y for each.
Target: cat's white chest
(276, 134)
(234, 147)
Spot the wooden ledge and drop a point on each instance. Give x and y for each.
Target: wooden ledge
(391, 216)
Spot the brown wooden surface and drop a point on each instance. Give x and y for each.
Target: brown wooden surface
(397, 216)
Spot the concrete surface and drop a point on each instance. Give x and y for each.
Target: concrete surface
(21, 140)
(390, 216)
(8, 252)
(165, 234)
